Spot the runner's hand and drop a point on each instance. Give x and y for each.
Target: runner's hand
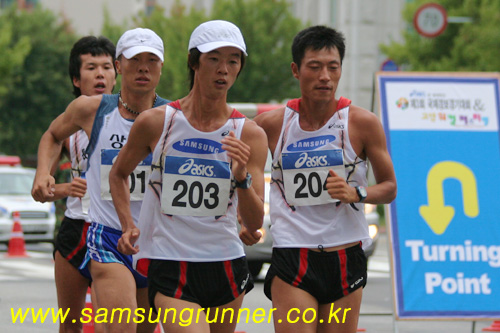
(249, 238)
(43, 188)
(78, 187)
(127, 241)
(239, 152)
(338, 188)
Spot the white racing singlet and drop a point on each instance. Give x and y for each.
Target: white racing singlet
(77, 144)
(189, 209)
(302, 212)
(109, 134)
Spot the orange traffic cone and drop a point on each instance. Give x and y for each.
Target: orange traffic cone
(88, 327)
(16, 242)
(495, 327)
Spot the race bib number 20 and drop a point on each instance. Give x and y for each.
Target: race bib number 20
(305, 174)
(195, 186)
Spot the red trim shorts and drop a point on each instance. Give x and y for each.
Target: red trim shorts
(208, 284)
(328, 276)
(71, 240)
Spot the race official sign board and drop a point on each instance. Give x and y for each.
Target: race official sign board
(443, 136)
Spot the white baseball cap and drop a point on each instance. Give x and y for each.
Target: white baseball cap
(137, 41)
(212, 35)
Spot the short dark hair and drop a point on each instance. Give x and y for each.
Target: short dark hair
(95, 46)
(316, 38)
(194, 60)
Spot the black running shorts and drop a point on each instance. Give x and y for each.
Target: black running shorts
(328, 276)
(208, 284)
(71, 240)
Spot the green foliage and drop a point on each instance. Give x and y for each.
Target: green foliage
(471, 46)
(113, 32)
(40, 89)
(34, 53)
(12, 54)
(175, 31)
(268, 27)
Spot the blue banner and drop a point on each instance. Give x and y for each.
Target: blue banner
(443, 136)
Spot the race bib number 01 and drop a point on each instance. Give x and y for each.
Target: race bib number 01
(195, 186)
(305, 173)
(138, 178)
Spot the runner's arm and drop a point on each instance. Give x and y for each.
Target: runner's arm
(249, 156)
(51, 142)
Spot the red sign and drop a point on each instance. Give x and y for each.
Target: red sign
(430, 20)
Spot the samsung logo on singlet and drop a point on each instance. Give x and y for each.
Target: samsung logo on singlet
(311, 143)
(198, 146)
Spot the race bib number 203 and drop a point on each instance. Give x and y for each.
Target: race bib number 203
(305, 174)
(195, 186)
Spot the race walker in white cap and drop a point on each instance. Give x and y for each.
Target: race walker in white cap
(212, 35)
(107, 121)
(208, 169)
(137, 41)
(92, 72)
(320, 144)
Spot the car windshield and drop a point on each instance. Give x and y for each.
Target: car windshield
(15, 183)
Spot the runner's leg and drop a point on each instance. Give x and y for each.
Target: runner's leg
(227, 316)
(71, 289)
(143, 303)
(344, 320)
(182, 316)
(290, 304)
(115, 290)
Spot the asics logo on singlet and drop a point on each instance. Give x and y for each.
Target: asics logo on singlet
(311, 162)
(225, 133)
(311, 143)
(196, 169)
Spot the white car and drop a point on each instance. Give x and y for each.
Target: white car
(38, 220)
(260, 253)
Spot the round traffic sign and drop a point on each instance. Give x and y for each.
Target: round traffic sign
(430, 20)
(389, 65)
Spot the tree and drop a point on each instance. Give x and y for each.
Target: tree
(110, 30)
(113, 31)
(175, 30)
(268, 27)
(12, 55)
(462, 47)
(41, 89)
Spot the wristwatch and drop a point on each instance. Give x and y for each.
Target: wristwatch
(244, 184)
(361, 191)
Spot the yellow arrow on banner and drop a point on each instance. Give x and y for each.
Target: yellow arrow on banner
(436, 214)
